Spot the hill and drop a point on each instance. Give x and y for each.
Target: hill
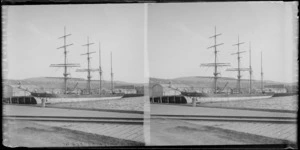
(206, 82)
(58, 83)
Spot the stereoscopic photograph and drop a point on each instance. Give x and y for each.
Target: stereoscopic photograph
(150, 74)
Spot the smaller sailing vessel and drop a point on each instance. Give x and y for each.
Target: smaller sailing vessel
(222, 96)
(76, 97)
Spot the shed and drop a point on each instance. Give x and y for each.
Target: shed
(12, 94)
(7, 91)
(167, 93)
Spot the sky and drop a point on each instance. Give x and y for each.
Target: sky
(167, 40)
(178, 38)
(33, 32)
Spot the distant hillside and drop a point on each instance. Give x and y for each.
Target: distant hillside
(58, 83)
(201, 77)
(195, 81)
(202, 81)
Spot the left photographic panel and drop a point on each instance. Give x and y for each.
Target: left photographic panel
(73, 75)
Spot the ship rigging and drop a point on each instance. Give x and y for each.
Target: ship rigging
(215, 64)
(65, 65)
(238, 69)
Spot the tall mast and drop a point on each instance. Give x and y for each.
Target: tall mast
(238, 69)
(65, 61)
(262, 74)
(216, 68)
(250, 69)
(215, 64)
(100, 69)
(112, 80)
(65, 65)
(239, 61)
(88, 69)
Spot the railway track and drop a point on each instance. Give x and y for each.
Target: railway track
(260, 119)
(140, 121)
(112, 120)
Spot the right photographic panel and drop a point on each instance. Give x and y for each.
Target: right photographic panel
(223, 73)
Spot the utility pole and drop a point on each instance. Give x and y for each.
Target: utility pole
(215, 64)
(65, 65)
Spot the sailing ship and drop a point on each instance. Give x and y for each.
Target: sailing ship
(68, 96)
(218, 95)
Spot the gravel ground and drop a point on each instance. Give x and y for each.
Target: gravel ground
(278, 103)
(132, 103)
(171, 132)
(286, 132)
(32, 134)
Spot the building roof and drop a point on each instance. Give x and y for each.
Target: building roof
(172, 89)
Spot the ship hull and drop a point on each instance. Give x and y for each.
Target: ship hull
(55, 98)
(284, 94)
(223, 97)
